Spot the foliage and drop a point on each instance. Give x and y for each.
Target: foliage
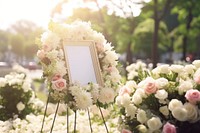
(17, 99)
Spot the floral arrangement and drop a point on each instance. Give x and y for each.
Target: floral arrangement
(167, 100)
(51, 57)
(17, 99)
(31, 124)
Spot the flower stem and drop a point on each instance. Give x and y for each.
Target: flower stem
(90, 121)
(45, 111)
(55, 116)
(103, 119)
(75, 122)
(67, 119)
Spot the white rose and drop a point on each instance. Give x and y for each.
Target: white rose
(136, 99)
(130, 110)
(184, 86)
(196, 63)
(161, 83)
(140, 92)
(192, 111)
(141, 116)
(174, 103)
(164, 110)
(132, 74)
(180, 113)
(2, 82)
(142, 128)
(189, 68)
(20, 106)
(161, 94)
(154, 123)
(131, 67)
(26, 85)
(164, 69)
(131, 84)
(176, 68)
(125, 100)
(118, 100)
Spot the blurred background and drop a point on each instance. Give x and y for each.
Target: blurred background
(155, 31)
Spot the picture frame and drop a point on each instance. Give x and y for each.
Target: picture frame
(82, 62)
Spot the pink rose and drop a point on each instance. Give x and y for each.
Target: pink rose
(150, 86)
(126, 131)
(56, 77)
(124, 90)
(169, 128)
(40, 54)
(59, 84)
(197, 79)
(192, 96)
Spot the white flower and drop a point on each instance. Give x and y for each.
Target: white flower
(84, 100)
(190, 69)
(132, 74)
(95, 91)
(52, 55)
(154, 123)
(110, 57)
(161, 94)
(115, 77)
(3, 82)
(174, 103)
(141, 116)
(125, 100)
(107, 95)
(51, 40)
(192, 111)
(164, 110)
(131, 84)
(142, 128)
(176, 68)
(136, 99)
(161, 83)
(141, 92)
(131, 110)
(26, 85)
(164, 69)
(184, 86)
(180, 113)
(60, 68)
(75, 90)
(20, 106)
(196, 63)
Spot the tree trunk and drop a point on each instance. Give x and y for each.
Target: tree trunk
(185, 38)
(129, 55)
(154, 51)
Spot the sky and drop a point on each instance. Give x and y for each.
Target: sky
(37, 11)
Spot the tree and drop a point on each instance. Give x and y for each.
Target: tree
(189, 18)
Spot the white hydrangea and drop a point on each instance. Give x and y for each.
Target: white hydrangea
(196, 63)
(51, 39)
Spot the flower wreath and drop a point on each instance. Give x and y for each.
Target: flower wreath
(51, 57)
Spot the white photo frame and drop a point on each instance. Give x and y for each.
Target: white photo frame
(82, 62)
